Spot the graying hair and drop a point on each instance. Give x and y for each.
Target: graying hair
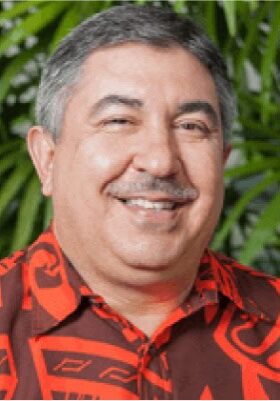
(155, 26)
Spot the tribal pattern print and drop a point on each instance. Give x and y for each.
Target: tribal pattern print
(60, 340)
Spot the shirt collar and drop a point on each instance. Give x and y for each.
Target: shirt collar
(57, 289)
(254, 292)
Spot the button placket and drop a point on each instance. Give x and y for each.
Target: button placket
(147, 351)
(144, 358)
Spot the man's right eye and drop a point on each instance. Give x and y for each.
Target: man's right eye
(122, 125)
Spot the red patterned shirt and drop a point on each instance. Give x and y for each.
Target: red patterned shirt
(59, 340)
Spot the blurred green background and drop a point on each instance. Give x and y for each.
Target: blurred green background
(248, 34)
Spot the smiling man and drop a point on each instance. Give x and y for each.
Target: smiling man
(121, 298)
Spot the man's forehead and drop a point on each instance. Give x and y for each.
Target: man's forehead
(132, 48)
(132, 63)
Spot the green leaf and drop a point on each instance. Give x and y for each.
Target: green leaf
(48, 213)
(252, 167)
(258, 146)
(8, 161)
(10, 145)
(256, 103)
(13, 68)
(32, 24)
(179, 6)
(18, 8)
(240, 206)
(229, 7)
(141, 2)
(249, 42)
(253, 5)
(71, 18)
(262, 232)
(13, 183)
(258, 129)
(3, 131)
(269, 57)
(210, 19)
(27, 214)
(20, 124)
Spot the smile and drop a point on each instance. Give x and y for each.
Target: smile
(153, 204)
(153, 211)
(146, 204)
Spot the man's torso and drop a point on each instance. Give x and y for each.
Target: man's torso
(59, 340)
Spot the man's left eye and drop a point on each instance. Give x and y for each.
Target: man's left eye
(120, 121)
(194, 126)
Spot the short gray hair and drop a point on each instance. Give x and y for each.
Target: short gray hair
(155, 26)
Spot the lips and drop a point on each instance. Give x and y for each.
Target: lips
(152, 210)
(153, 203)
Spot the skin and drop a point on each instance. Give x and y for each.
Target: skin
(142, 262)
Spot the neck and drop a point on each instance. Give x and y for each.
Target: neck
(146, 305)
(146, 308)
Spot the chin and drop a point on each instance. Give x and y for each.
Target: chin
(150, 256)
(149, 262)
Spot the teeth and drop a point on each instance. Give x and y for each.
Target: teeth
(150, 205)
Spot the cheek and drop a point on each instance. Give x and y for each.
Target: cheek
(101, 160)
(204, 167)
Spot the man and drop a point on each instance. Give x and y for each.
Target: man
(120, 298)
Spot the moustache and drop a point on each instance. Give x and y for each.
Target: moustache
(149, 183)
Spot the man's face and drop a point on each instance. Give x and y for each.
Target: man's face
(137, 172)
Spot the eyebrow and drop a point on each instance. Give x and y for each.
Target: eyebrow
(113, 99)
(198, 105)
(183, 108)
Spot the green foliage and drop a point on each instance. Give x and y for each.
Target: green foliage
(32, 24)
(230, 14)
(248, 34)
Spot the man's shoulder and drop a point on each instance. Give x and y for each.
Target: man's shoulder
(12, 287)
(21, 259)
(12, 275)
(252, 290)
(12, 262)
(245, 272)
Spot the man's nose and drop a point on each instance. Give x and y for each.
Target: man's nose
(158, 155)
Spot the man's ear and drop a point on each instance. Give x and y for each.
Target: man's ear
(226, 153)
(41, 148)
